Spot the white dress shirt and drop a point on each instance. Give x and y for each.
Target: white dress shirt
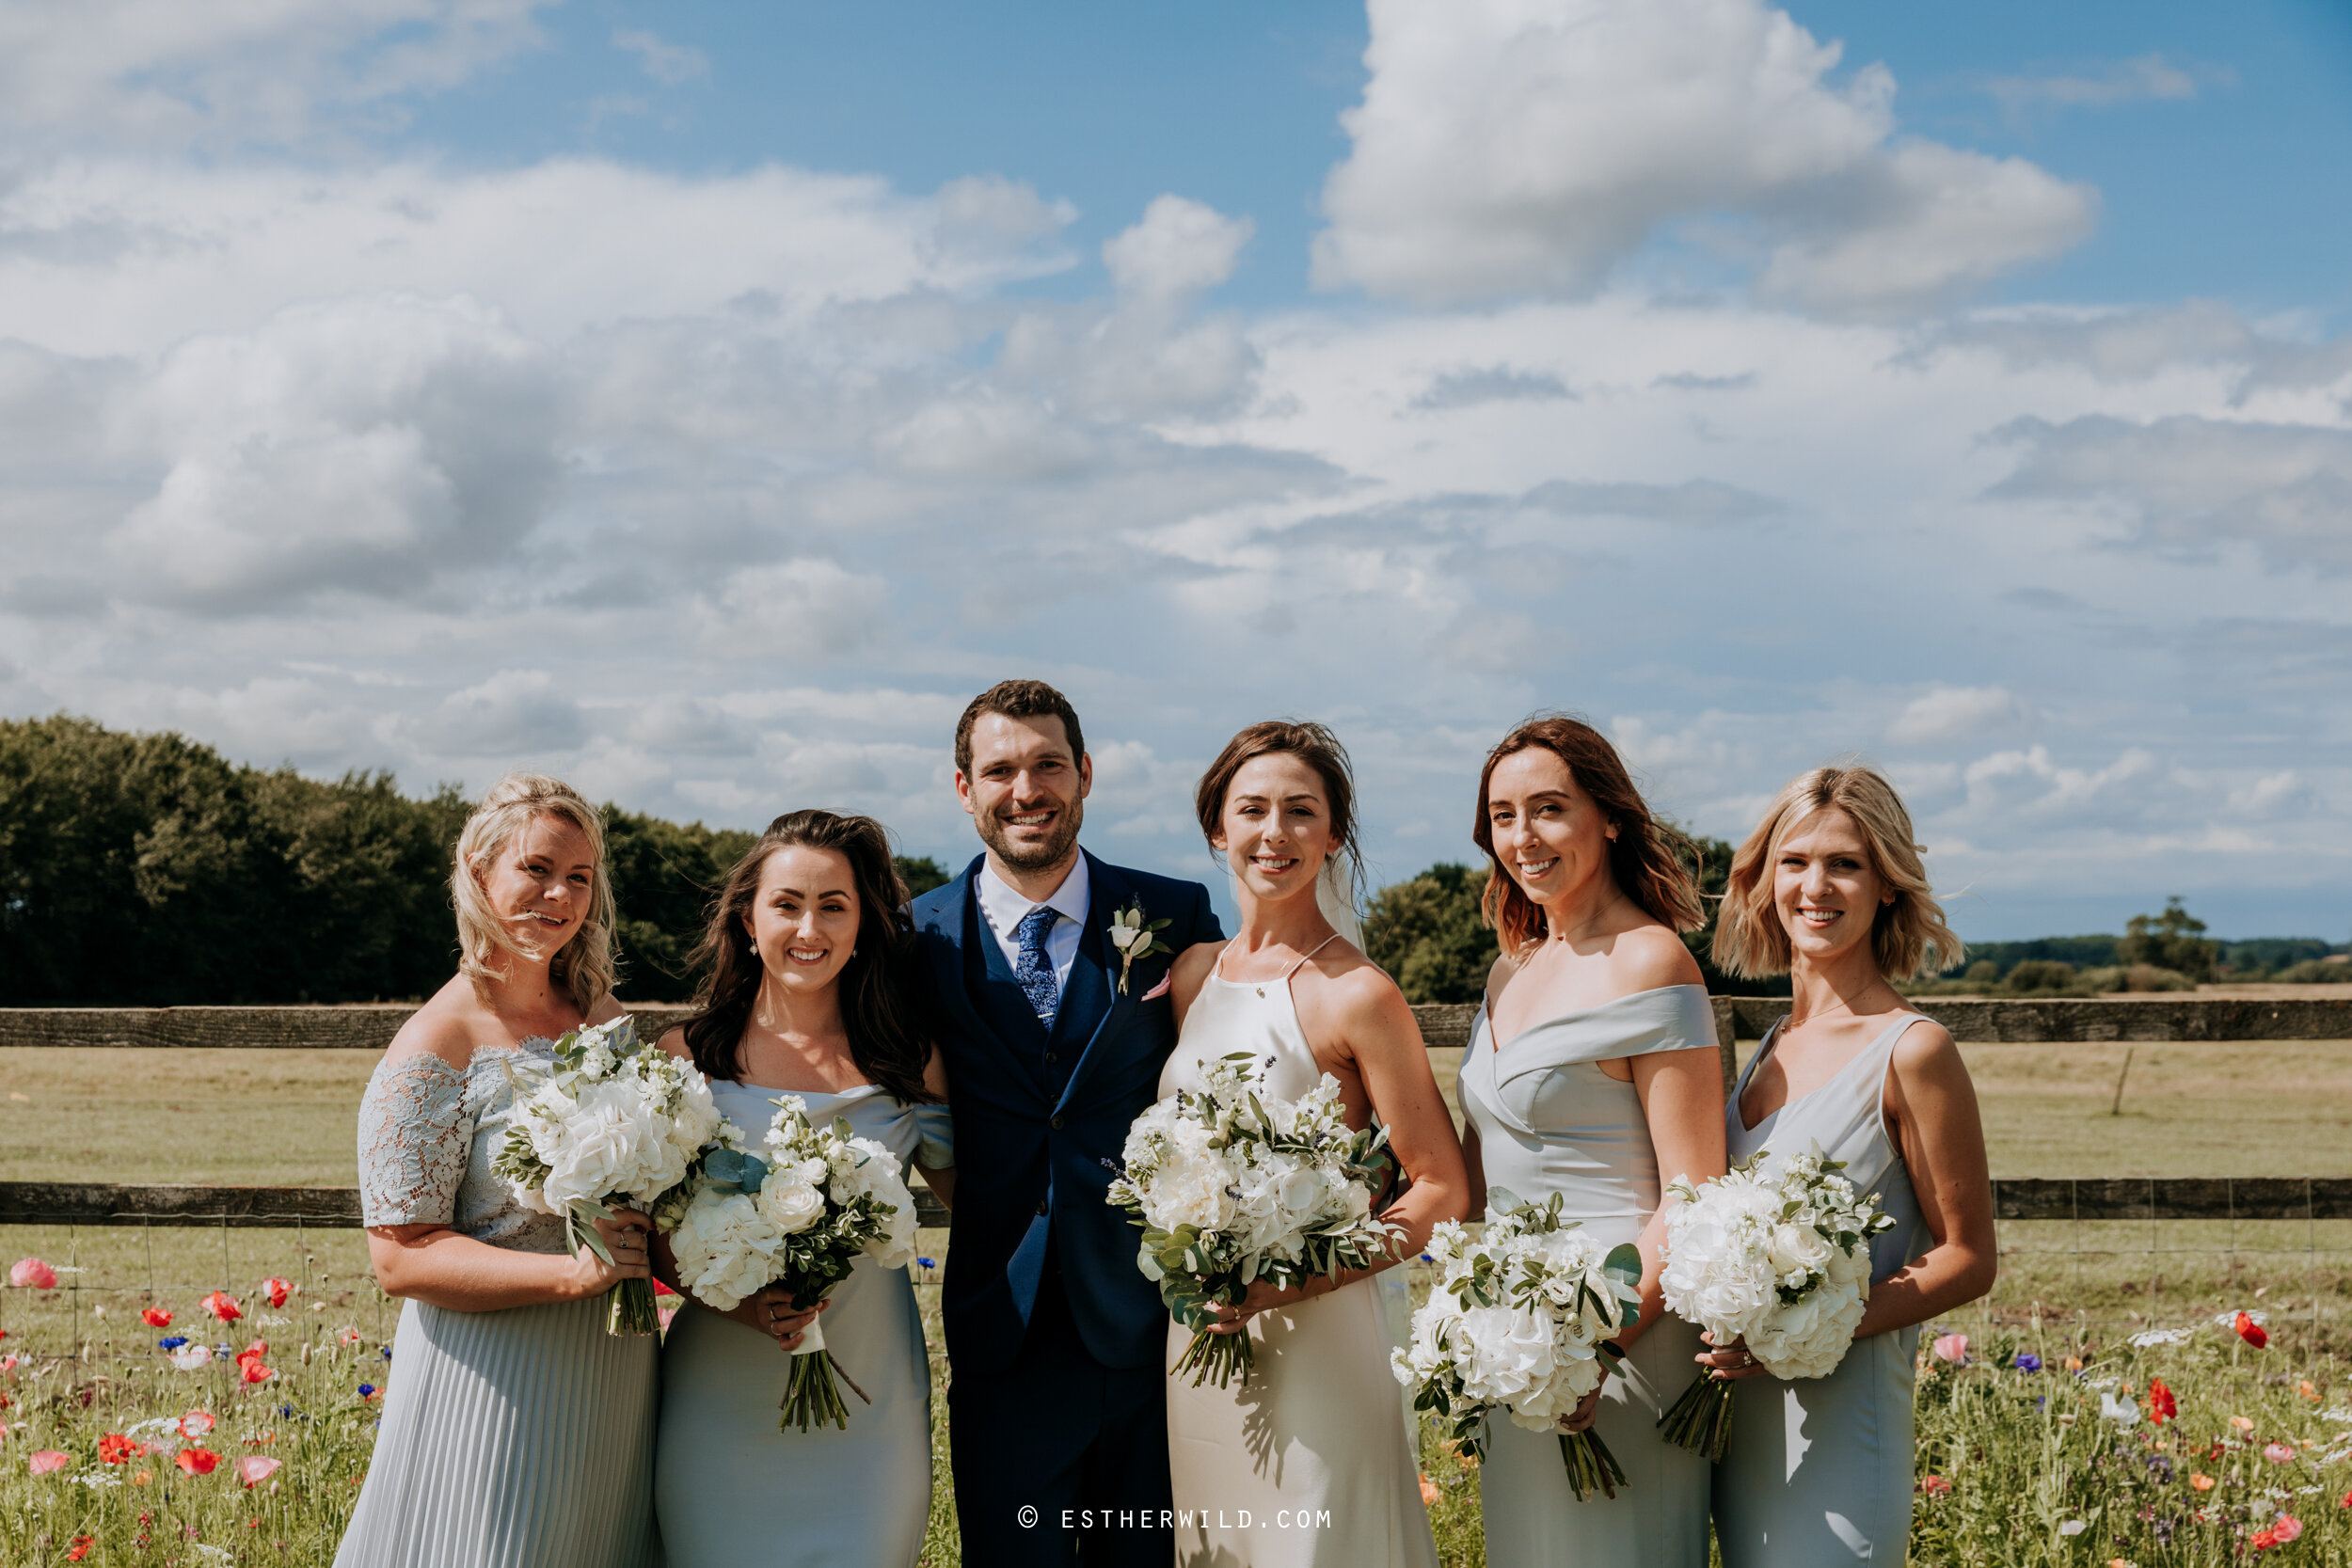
(1004, 908)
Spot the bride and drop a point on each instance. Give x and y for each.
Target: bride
(1307, 1461)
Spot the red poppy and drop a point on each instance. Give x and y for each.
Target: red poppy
(2250, 1331)
(155, 1317)
(81, 1544)
(197, 1462)
(115, 1448)
(275, 1291)
(2162, 1406)
(253, 1372)
(1935, 1485)
(2264, 1540)
(221, 1305)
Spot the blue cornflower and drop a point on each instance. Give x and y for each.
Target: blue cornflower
(2027, 1362)
(171, 1342)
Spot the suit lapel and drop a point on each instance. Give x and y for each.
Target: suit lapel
(1092, 1008)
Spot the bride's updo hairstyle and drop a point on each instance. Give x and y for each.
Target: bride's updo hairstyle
(1908, 937)
(890, 1037)
(583, 966)
(1312, 744)
(1650, 861)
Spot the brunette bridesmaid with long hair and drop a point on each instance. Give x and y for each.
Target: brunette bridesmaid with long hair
(1591, 1073)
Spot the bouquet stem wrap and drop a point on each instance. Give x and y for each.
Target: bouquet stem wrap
(1230, 1188)
(1521, 1320)
(1775, 1255)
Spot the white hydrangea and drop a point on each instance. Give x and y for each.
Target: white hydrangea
(611, 1118)
(1775, 1252)
(725, 1248)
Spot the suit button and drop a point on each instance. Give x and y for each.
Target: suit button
(1056, 1124)
(1049, 1055)
(1041, 1211)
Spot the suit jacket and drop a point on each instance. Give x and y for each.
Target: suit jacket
(1042, 1117)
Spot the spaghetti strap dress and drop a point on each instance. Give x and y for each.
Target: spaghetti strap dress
(1819, 1470)
(1549, 1120)
(519, 1438)
(730, 1485)
(1306, 1466)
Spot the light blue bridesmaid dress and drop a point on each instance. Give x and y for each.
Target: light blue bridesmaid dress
(729, 1486)
(520, 1438)
(1819, 1470)
(1549, 1120)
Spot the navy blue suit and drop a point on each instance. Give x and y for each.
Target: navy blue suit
(1055, 1341)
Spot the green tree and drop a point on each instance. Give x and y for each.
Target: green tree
(921, 874)
(2174, 940)
(663, 879)
(1427, 934)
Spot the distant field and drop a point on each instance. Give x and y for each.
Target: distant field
(2256, 1108)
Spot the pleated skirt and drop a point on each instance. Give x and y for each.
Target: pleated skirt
(515, 1439)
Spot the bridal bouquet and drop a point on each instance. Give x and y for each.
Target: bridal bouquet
(1521, 1320)
(1775, 1252)
(610, 1120)
(801, 1217)
(1230, 1188)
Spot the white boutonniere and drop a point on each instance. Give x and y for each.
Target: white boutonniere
(1134, 938)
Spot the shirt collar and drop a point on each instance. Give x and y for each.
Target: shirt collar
(1004, 906)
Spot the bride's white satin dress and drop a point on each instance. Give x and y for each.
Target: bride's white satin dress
(1307, 1464)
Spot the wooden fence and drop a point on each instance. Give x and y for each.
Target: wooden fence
(1444, 1027)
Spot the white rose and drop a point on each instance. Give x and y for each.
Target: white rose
(1799, 1249)
(790, 1197)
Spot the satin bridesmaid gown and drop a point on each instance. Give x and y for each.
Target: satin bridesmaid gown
(1549, 1120)
(1819, 1470)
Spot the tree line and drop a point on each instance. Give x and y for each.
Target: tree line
(148, 870)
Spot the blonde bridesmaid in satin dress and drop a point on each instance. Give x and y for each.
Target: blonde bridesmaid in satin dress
(1307, 1464)
(1591, 1073)
(1830, 889)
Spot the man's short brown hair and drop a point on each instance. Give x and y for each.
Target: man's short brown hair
(1017, 700)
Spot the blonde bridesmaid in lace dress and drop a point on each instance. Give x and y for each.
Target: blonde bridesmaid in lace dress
(517, 1432)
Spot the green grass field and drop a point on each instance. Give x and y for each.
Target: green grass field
(2020, 1472)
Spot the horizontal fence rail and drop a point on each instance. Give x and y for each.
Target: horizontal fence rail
(2180, 1197)
(1444, 1025)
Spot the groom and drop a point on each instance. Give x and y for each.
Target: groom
(1056, 1402)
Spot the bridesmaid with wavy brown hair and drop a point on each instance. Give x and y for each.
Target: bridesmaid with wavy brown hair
(1591, 1073)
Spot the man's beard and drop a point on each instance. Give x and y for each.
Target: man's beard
(995, 833)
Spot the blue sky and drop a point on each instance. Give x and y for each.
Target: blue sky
(702, 401)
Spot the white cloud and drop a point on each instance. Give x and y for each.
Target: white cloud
(2142, 78)
(515, 715)
(1955, 713)
(1506, 147)
(1179, 250)
(370, 447)
(670, 64)
(227, 71)
(807, 610)
(2191, 483)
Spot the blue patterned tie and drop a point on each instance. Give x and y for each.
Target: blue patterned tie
(1033, 969)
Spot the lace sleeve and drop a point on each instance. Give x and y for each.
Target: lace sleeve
(414, 1140)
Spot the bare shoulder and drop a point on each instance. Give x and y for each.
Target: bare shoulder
(1193, 964)
(1500, 975)
(1650, 958)
(674, 1041)
(1927, 1050)
(607, 1010)
(1356, 996)
(447, 1027)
